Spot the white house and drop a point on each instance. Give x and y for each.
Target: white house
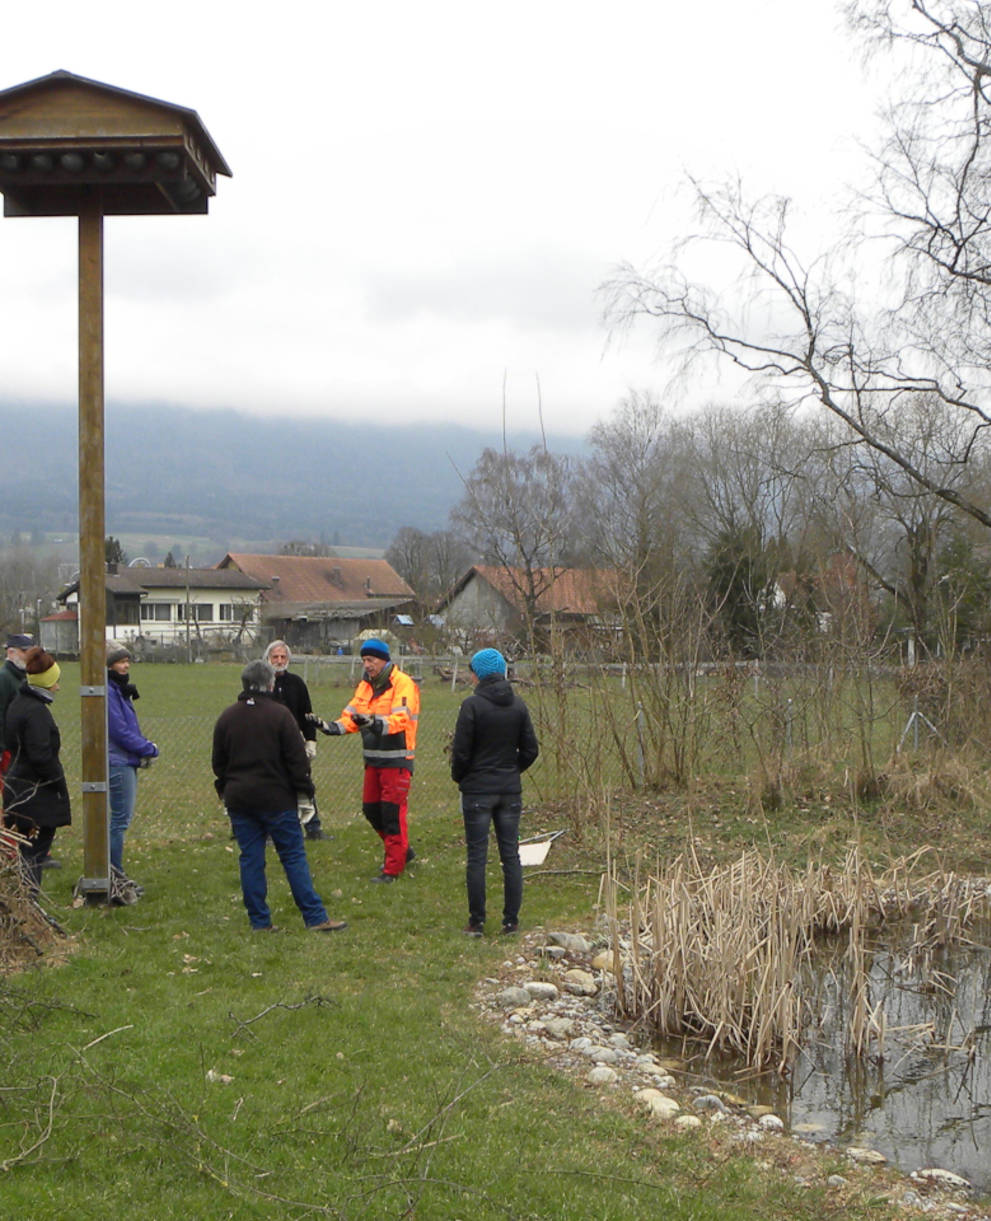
(193, 607)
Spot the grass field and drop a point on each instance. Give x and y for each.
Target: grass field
(362, 1082)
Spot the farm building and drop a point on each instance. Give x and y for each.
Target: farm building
(319, 604)
(489, 602)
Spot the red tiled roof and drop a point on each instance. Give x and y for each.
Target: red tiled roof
(318, 579)
(573, 591)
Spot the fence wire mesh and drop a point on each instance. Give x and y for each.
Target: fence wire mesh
(600, 726)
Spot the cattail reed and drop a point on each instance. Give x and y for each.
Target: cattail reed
(727, 955)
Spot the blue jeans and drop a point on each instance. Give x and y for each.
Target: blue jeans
(250, 831)
(123, 785)
(502, 811)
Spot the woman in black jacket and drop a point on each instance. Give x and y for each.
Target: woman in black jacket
(36, 796)
(493, 743)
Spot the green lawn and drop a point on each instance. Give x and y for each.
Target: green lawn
(363, 1084)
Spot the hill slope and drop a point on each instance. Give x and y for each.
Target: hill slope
(223, 475)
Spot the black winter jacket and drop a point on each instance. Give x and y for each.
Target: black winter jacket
(292, 691)
(258, 757)
(494, 740)
(12, 680)
(35, 787)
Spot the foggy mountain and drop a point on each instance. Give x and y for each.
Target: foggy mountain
(223, 475)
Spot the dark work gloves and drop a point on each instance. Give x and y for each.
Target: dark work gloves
(330, 728)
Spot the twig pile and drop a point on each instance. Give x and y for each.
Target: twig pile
(26, 933)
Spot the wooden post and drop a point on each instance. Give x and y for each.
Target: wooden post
(92, 558)
(85, 132)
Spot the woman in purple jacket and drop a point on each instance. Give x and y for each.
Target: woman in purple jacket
(128, 750)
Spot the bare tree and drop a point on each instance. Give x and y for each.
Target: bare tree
(752, 469)
(517, 512)
(721, 502)
(630, 491)
(804, 332)
(627, 489)
(430, 563)
(896, 529)
(407, 555)
(449, 558)
(245, 617)
(28, 583)
(933, 169)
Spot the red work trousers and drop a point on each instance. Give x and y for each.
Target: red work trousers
(384, 798)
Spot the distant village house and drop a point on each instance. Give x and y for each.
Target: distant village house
(166, 607)
(320, 604)
(489, 603)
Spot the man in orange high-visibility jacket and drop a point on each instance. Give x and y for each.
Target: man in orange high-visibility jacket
(385, 708)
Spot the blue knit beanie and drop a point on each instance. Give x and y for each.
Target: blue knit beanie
(488, 663)
(374, 648)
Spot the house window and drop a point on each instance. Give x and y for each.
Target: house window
(158, 611)
(201, 612)
(231, 613)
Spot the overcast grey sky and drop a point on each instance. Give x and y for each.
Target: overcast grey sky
(425, 195)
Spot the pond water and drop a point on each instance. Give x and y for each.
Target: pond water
(927, 1100)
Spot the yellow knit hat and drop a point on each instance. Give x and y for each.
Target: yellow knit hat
(43, 670)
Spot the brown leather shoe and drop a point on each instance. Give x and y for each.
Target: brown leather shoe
(328, 926)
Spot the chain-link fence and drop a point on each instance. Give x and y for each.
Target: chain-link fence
(600, 726)
(179, 705)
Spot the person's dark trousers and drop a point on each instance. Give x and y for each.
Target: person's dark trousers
(503, 812)
(384, 802)
(250, 831)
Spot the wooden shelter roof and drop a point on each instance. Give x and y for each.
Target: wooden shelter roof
(68, 142)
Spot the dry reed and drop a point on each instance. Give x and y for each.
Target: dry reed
(723, 955)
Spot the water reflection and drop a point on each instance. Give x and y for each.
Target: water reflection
(924, 1097)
